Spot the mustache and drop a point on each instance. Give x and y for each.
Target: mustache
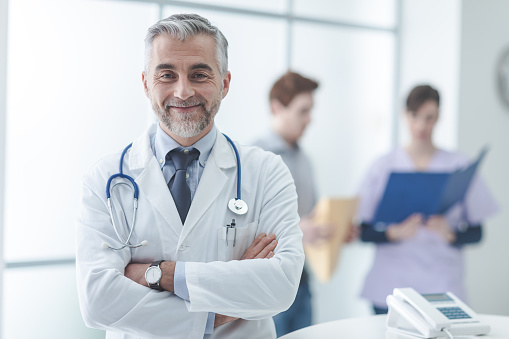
(183, 103)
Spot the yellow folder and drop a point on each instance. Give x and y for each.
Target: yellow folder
(323, 256)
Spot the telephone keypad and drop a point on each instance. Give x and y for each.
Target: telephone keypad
(454, 313)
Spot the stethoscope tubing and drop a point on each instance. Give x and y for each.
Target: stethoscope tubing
(120, 174)
(109, 188)
(239, 170)
(135, 211)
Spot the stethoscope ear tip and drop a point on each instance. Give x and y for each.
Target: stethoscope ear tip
(144, 243)
(104, 245)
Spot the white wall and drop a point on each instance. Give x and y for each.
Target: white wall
(430, 36)
(484, 119)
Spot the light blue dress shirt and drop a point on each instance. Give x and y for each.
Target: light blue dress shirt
(162, 144)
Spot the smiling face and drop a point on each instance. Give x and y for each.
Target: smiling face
(184, 86)
(422, 121)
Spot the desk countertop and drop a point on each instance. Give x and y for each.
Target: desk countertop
(374, 328)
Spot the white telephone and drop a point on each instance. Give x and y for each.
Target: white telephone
(431, 315)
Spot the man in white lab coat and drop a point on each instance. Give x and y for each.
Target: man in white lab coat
(204, 271)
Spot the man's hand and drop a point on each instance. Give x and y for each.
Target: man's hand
(262, 247)
(222, 319)
(136, 272)
(315, 233)
(439, 224)
(406, 229)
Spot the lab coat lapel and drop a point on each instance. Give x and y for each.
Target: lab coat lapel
(153, 186)
(151, 181)
(211, 183)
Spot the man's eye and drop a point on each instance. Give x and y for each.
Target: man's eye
(199, 76)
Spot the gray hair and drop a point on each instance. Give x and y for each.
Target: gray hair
(183, 27)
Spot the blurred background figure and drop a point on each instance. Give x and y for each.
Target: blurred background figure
(423, 253)
(291, 103)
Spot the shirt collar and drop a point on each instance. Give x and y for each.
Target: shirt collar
(163, 144)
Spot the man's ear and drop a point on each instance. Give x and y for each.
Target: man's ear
(226, 83)
(144, 80)
(276, 106)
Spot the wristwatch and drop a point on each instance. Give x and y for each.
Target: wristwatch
(153, 275)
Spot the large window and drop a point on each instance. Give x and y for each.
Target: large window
(74, 94)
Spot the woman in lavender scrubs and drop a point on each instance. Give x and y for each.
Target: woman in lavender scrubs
(425, 254)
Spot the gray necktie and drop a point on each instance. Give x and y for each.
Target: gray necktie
(178, 185)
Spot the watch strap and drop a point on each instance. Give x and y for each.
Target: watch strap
(156, 263)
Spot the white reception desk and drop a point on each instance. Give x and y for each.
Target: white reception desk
(374, 328)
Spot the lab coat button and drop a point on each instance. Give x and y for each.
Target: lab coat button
(182, 247)
(187, 175)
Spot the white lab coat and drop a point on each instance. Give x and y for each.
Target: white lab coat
(253, 290)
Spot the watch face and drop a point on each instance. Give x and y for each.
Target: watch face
(153, 275)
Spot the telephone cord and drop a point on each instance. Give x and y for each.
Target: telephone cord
(448, 333)
(457, 337)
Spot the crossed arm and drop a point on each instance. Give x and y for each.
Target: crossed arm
(262, 247)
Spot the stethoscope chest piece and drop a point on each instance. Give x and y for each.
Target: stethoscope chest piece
(237, 206)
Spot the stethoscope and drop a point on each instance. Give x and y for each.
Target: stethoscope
(236, 205)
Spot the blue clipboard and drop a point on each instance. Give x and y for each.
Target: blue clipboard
(428, 193)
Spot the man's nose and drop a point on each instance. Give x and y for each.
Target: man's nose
(183, 89)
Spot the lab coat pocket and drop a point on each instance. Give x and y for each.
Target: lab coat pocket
(232, 242)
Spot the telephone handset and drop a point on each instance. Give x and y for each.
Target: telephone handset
(431, 315)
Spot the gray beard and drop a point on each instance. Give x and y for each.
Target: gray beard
(185, 125)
